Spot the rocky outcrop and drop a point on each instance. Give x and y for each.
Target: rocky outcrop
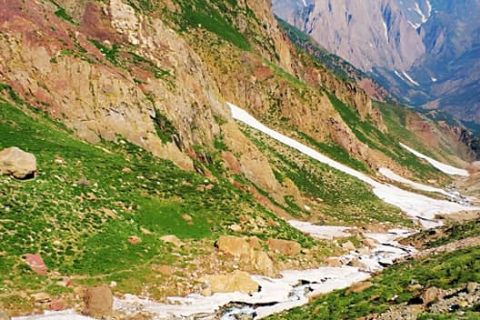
(36, 263)
(237, 281)
(17, 163)
(249, 252)
(286, 247)
(98, 302)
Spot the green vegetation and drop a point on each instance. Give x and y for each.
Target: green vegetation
(214, 16)
(62, 14)
(335, 152)
(86, 202)
(388, 143)
(394, 287)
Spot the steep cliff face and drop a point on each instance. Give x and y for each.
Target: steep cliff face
(425, 53)
(376, 34)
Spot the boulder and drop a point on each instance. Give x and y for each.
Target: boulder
(17, 163)
(430, 295)
(172, 239)
(348, 246)
(264, 264)
(234, 246)
(35, 262)
(98, 302)
(237, 281)
(474, 167)
(56, 305)
(286, 247)
(4, 315)
(334, 262)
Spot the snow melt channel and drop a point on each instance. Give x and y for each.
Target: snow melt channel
(414, 205)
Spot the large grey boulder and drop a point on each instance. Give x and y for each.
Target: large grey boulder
(17, 163)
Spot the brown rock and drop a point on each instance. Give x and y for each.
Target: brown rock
(41, 297)
(134, 240)
(370, 243)
(474, 167)
(173, 240)
(236, 281)
(186, 217)
(254, 242)
(35, 262)
(359, 287)
(286, 247)
(348, 246)
(17, 163)
(430, 295)
(4, 316)
(357, 264)
(235, 227)
(233, 245)
(57, 305)
(264, 264)
(334, 262)
(363, 251)
(126, 170)
(165, 270)
(98, 302)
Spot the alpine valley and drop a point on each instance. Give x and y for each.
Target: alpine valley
(426, 52)
(204, 159)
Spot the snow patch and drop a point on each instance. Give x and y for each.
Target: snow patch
(320, 232)
(410, 79)
(385, 29)
(395, 177)
(445, 168)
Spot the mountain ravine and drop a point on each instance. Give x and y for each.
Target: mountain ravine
(174, 159)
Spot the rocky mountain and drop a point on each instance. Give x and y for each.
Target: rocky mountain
(127, 165)
(423, 51)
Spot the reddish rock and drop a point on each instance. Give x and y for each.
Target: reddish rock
(134, 240)
(98, 302)
(56, 305)
(35, 262)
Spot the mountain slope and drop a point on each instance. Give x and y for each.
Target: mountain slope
(124, 105)
(425, 52)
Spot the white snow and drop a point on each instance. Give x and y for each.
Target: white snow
(434, 79)
(304, 3)
(385, 29)
(320, 232)
(395, 177)
(55, 315)
(410, 79)
(445, 168)
(420, 13)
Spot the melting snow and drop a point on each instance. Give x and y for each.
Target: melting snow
(395, 177)
(410, 79)
(445, 168)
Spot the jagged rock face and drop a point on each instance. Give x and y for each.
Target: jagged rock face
(425, 52)
(367, 34)
(95, 96)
